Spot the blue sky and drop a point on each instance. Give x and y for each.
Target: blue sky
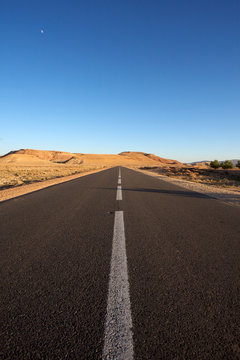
(109, 76)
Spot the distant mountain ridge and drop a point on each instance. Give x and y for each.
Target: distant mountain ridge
(47, 157)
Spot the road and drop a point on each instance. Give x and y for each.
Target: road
(119, 265)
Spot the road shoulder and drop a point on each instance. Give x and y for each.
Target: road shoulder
(228, 196)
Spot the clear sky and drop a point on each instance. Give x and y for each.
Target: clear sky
(107, 76)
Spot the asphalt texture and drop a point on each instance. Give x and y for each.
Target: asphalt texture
(183, 256)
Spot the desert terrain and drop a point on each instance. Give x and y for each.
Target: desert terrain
(224, 179)
(27, 170)
(27, 166)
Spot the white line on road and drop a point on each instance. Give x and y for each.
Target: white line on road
(119, 173)
(119, 181)
(118, 340)
(119, 192)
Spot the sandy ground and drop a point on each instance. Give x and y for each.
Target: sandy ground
(25, 189)
(229, 196)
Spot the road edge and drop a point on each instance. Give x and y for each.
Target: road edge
(11, 193)
(230, 198)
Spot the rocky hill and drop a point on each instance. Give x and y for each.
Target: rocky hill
(44, 157)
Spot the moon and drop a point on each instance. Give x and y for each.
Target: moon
(42, 31)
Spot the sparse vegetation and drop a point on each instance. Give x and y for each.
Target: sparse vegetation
(215, 164)
(12, 175)
(227, 164)
(238, 164)
(220, 178)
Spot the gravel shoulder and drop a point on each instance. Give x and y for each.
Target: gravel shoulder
(13, 192)
(228, 196)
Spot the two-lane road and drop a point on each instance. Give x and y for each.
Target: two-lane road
(121, 263)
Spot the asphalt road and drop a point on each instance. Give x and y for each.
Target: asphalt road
(171, 289)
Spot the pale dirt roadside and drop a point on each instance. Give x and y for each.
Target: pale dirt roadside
(228, 196)
(13, 192)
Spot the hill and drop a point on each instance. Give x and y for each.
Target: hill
(33, 157)
(146, 157)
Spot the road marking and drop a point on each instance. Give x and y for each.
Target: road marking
(118, 338)
(119, 192)
(119, 173)
(119, 181)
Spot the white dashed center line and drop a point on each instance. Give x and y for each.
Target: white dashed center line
(119, 192)
(118, 340)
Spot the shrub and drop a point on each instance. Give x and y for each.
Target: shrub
(238, 164)
(227, 164)
(215, 164)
